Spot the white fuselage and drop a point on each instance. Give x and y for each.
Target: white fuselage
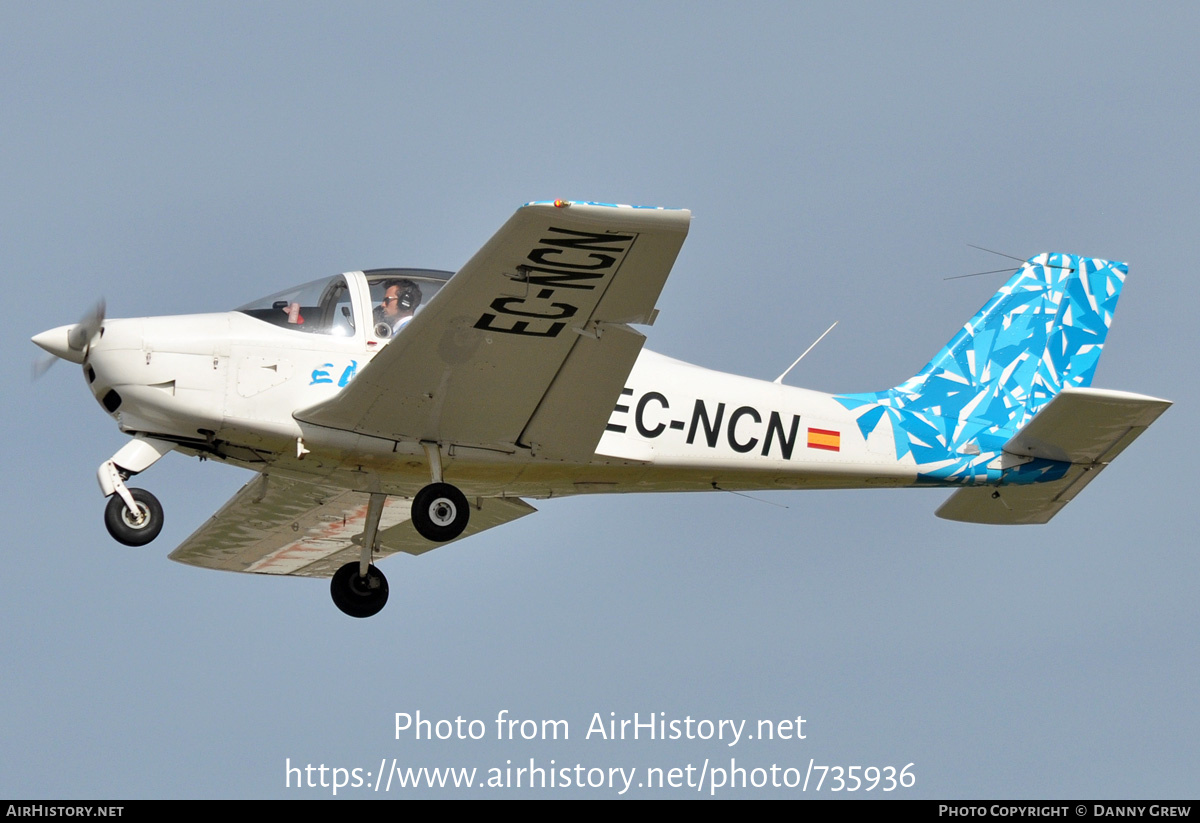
(226, 386)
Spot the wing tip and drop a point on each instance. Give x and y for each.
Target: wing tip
(563, 204)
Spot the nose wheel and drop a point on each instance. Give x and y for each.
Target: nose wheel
(133, 516)
(359, 595)
(134, 527)
(440, 512)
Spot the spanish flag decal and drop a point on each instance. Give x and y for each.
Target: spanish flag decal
(825, 439)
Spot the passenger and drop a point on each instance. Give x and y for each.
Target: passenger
(400, 300)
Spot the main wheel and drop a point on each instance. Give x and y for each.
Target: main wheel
(440, 512)
(356, 595)
(130, 528)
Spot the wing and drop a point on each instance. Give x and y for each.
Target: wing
(275, 525)
(1087, 428)
(527, 345)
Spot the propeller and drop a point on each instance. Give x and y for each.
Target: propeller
(81, 333)
(69, 342)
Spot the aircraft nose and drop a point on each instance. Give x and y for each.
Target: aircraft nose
(57, 342)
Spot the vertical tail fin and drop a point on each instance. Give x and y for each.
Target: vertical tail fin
(1043, 331)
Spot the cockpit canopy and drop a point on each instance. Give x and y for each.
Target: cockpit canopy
(380, 300)
(320, 307)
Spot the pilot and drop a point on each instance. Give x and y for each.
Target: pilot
(400, 300)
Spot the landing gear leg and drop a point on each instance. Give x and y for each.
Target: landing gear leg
(359, 589)
(133, 516)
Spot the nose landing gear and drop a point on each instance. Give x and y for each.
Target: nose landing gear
(133, 516)
(134, 527)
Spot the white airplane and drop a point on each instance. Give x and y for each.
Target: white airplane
(397, 410)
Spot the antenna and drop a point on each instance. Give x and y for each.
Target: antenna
(1002, 254)
(779, 379)
(747, 496)
(996, 271)
(978, 273)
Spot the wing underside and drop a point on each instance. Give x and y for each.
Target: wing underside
(276, 525)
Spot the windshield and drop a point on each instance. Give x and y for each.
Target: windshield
(319, 307)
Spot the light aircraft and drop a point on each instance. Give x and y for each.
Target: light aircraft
(398, 410)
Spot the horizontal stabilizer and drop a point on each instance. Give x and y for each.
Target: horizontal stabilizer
(1016, 505)
(1084, 427)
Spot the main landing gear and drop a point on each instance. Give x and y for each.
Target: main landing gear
(440, 512)
(359, 595)
(359, 589)
(133, 516)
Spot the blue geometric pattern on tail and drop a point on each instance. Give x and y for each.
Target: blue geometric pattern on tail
(1043, 330)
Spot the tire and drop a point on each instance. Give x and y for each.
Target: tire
(358, 596)
(122, 525)
(440, 512)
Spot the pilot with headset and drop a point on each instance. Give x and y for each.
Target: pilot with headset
(400, 300)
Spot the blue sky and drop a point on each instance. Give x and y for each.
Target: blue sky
(838, 160)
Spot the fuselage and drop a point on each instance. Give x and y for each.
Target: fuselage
(226, 386)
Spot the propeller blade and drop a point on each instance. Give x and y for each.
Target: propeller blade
(42, 364)
(82, 332)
